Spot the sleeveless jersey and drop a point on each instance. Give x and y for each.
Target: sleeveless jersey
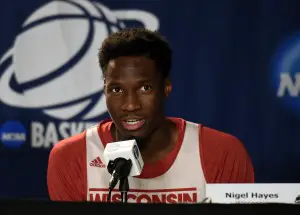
(184, 182)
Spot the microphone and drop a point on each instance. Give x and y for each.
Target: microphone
(123, 159)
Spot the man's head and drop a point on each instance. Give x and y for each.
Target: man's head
(136, 64)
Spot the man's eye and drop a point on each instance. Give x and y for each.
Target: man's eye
(146, 88)
(117, 90)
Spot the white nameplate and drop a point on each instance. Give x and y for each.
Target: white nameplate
(253, 193)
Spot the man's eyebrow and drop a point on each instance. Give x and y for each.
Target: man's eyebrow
(139, 80)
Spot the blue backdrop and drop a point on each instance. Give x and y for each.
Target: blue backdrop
(235, 69)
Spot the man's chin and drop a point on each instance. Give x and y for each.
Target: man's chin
(140, 137)
(135, 135)
(139, 133)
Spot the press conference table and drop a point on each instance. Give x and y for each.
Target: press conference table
(11, 207)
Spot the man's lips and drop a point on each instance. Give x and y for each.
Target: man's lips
(132, 124)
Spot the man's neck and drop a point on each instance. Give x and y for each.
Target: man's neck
(159, 143)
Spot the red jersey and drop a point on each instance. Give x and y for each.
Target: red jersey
(222, 156)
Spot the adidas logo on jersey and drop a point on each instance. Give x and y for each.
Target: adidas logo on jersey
(97, 162)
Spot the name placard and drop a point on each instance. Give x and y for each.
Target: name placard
(253, 193)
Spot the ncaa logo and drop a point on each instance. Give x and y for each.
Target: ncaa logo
(52, 66)
(12, 134)
(286, 73)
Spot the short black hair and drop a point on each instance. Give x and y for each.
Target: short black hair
(137, 42)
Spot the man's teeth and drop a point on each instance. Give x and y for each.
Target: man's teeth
(132, 121)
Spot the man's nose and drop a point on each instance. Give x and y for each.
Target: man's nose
(131, 102)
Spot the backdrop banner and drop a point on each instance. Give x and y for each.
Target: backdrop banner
(235, 69)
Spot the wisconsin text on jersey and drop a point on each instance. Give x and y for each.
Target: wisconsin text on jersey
(179, 195)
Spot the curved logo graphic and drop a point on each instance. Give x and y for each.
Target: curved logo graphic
(286, 73)
(53, 66)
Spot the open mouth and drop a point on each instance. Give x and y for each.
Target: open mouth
(133, 124)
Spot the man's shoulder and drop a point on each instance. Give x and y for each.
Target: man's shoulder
(217, 136)
(224, 157)
(74, 145)
(70, 145)
(217, 143)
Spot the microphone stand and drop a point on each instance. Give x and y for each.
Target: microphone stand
(120, 170)
(124, 188)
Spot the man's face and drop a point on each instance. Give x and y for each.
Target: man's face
(135, 94)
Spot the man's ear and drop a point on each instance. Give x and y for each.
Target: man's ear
(168, 87)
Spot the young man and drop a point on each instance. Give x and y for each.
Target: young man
(180, 157)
